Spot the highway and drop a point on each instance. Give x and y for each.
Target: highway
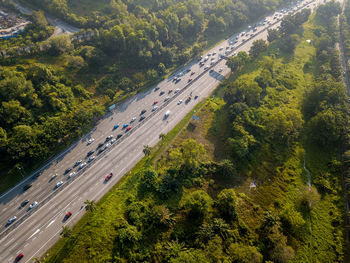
(41, 230)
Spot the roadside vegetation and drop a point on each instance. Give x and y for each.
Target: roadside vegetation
(256, 179)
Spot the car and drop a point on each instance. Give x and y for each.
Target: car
(177, 80)
(67, 170)
(143, 112)
(189, 80)
(19, 257)
(195, 97)
(113, 141)
(11, 220)
(188, 70)
(82, 165)
(155, 102)
(227, 48)
(212, 63)
(206, 67)
(212, 59)
(154, 108)
(90, 153)
(180, 74)
(166, 98)
(91, 140)
(100, 145)
(220, 70)
(91, 159)
(107, 146)
(68, 215)
(26, 187)
(232, 47)
(192, 73)
(234, 53)
(59, 183)
(142, 118)
(53, 177)
(176, 91)
(133, 119)
(188, 100)
(77, 163)
(167, 113)
(211, 71)
(179, 102)
(201, 64)
(221, 48)
(115, 126)
(108, 177)
(128, 128)
(71, 175)
(34, 204)
(214, 53)
(119, 135)
(24, 203)
(100, 150)
(109, 138)
(170, 91)
(156, 88)
(209, 54)
(125, 125)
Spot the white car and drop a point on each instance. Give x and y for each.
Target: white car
(10, 221)
(113, 141)
(82, 165)
(71, 175)
(91, 141)
(179, 102)
(176, 91)
(220, 70)
(54, 176)
(154, 108)
(206, 67)
(91, 159)
(167, 114)
(107, 145)
(58, 184)
(133, 119)
(34, 204)
(212, 63)
(166, 99)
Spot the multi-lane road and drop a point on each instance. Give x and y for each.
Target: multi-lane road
(41, 229)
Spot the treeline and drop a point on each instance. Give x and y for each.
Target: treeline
(39, 110)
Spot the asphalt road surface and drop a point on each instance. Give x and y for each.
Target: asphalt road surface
(41, 229)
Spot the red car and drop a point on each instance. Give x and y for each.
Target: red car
(67, 216)
(155, 102)
(19, 257)
(189, 80)
(128, 128)
(170, 91)
(109, 176)
(192, 73)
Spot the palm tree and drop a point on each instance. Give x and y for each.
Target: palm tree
(147, 150)
(66, 231)
(90, 205)
(162, 137)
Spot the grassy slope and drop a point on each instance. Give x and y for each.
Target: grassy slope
(278, 187)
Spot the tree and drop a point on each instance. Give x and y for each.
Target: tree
(235, 63)
(289, 43)
(226, 169)
(227, 204)
(60, 44)
(198, 204)
(272, 34)
(257, 47)
(244, 254)
(66, 231)
(190, 154)
(90, 205)
(149, 181)
(147, 150)
(162, 137)
(161, 68)
(308, 198)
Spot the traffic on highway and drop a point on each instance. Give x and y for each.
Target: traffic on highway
(34, 211)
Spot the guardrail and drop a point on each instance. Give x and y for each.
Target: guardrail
(126, 135)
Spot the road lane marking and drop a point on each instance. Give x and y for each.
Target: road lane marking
(9, 242)
(50, 223)
(38, 230)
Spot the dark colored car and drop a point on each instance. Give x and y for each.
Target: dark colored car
(115, 127)
(108, 177)
(19, 257)
(67, 170)
(26, 187)
(24, 203)
(211, 71)
(143, 112)
(68, 215)
(90, 153)
(142, 118)
(156, 88)
(100, 151)
(100, 145)
(195, 97)
(119, 135)
(161, 93)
